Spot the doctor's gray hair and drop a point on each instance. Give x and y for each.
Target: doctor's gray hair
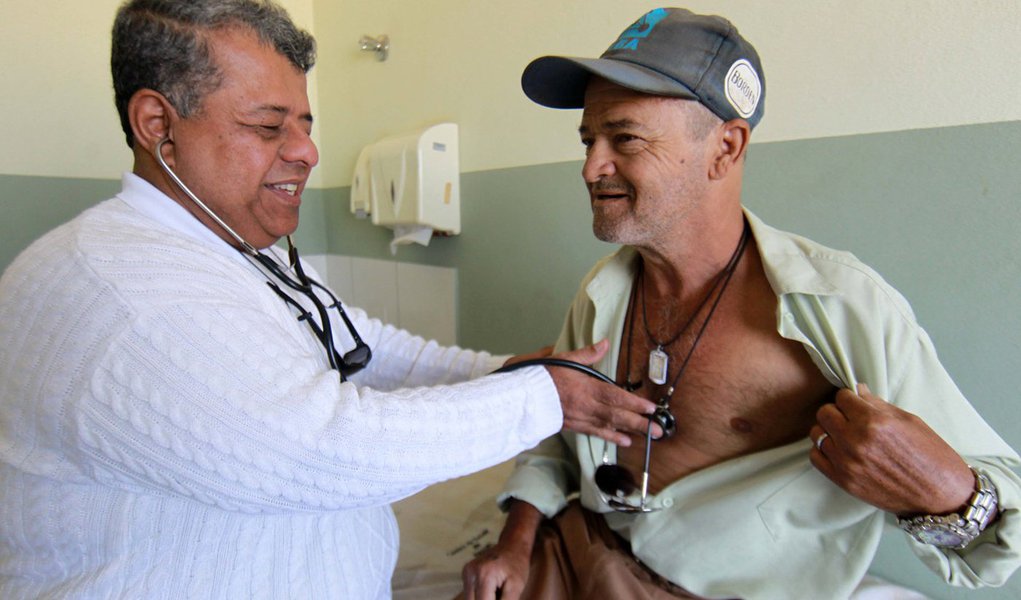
(163, 45)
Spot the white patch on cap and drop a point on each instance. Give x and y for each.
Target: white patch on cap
(743, 88)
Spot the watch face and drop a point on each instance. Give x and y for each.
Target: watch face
(940, 537)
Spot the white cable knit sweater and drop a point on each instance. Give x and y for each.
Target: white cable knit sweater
(169, 430)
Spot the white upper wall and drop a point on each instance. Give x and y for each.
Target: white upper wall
(56, 111)
(832, 68)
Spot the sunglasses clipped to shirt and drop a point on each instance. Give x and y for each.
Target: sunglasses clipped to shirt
(351, 361)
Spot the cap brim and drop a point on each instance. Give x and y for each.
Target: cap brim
(560, 81)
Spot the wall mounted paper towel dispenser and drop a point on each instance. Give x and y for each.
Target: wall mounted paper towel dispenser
(411, 180)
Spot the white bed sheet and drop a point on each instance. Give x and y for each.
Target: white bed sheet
(443, 527)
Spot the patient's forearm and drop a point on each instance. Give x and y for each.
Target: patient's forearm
(519, 531)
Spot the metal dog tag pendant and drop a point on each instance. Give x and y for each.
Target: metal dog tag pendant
(659, 361)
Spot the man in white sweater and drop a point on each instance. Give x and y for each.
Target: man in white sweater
(183, 411)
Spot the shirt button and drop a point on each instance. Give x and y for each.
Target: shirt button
(668, 502)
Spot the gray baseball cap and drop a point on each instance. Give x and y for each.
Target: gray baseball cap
(667, 52)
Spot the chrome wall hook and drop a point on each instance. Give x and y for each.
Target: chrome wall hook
(380, 45)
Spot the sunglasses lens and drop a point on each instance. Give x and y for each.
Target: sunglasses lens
(620, 490)
(356, 359)
(615, 481)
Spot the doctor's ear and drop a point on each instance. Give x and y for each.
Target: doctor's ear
(151, 116)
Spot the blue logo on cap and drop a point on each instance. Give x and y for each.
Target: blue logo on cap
(640, 30)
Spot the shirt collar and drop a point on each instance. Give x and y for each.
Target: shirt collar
(787, 259)
(148, 200)
(790, 260)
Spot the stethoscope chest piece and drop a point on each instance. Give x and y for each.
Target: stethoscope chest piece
(666, 421)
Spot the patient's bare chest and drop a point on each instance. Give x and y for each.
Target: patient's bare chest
(745, 389)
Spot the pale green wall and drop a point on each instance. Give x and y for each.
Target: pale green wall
(32, 205)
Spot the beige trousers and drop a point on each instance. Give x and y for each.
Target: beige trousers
(578, 557)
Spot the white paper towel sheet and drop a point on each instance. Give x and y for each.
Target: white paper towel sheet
(410, 234)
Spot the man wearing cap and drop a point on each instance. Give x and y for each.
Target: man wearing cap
(801, 402)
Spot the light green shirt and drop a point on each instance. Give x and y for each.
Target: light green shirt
(769, 525)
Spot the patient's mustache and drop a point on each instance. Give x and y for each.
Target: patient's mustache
(604, 186)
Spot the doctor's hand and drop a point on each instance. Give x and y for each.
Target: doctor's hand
(544, 352)
(888, 457)
(598, 408)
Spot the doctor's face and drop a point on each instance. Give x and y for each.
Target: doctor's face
(247, 152)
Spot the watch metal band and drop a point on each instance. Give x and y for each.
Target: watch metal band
(957, 530)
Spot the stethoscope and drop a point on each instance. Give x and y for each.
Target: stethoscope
(353, 360)
(613, 481)
(245, 246)
(661, 417)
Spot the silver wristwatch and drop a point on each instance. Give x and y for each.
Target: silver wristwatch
(954, 530)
